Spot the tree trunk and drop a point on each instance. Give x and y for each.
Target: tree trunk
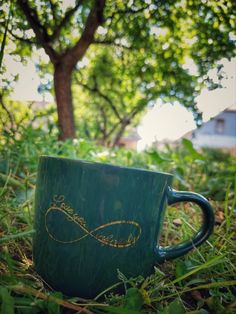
(63, 93)
(120, 133)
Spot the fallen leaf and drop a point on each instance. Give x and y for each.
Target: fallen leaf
(177, 222)
(219, 217)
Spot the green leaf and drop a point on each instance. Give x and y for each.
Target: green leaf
(181, 269)
(133, 299)
(212, 262)
(119, 310)
(176, 307)
(7, 301)
(201, 311)
(156, 157)
(53, 307)
(192, 151)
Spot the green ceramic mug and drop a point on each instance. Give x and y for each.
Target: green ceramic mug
(92, 219)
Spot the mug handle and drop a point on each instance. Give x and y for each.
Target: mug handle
(173, 251)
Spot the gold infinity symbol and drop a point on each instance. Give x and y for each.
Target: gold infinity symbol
(59, 206)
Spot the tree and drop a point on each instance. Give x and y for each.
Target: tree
(49, 28)
(152, 41)
(112, 96)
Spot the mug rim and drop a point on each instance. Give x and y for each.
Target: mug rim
(84, 161)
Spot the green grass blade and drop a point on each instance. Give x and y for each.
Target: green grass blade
(10, 180)
(214, 261)
(7, 301)
(17, 235)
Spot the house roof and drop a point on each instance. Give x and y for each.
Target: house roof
(188, 135)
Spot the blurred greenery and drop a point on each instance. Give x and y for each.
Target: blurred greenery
(32, 131)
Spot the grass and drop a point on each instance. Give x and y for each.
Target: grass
(203, 281)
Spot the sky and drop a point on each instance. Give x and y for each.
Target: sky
(163, 121)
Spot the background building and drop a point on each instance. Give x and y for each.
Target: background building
(219, 132)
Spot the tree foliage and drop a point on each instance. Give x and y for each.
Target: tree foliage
(136, 52)
(113, 97)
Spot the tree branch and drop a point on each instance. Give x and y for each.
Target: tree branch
(9, 114)
(105, 97)
(39, 30)
(127, 120)
(112, 130)
(53, 9)
(120, 133)
(110, 42)
(65, 20)
(6, 29)
(137, 109)
(95, 89)
(95, 18)
(24, 40)
(123, 121)
(103, 125)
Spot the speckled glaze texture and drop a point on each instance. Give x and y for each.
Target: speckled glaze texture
(92, 219)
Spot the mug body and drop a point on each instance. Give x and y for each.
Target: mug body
(92, 219)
